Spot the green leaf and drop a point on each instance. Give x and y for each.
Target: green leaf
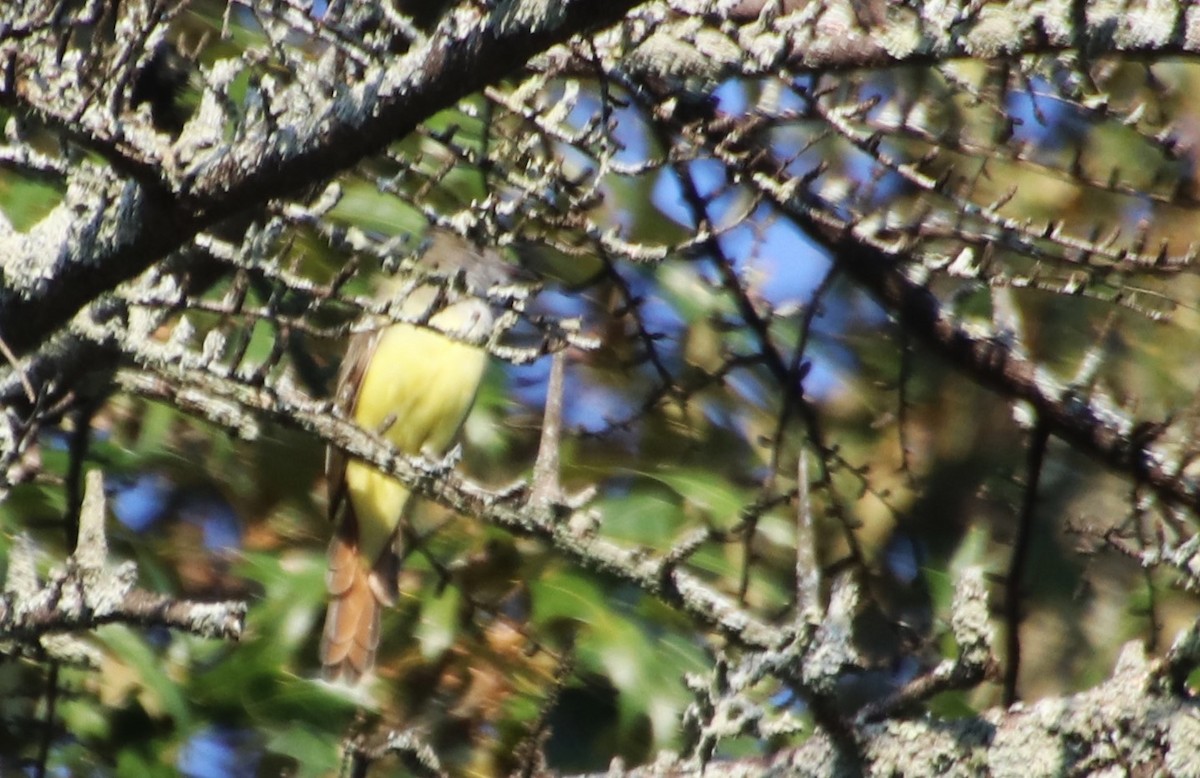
(160, 694)
(645, 664)
(721, 502)
(26, 201)
(311, 753)
(365, 206)
(438, 626)
(645, 517)
(133, 764)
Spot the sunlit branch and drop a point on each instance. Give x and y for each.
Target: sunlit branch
(237, 406)
(88, 591)
(172, 194)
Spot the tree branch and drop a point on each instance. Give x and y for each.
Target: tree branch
(889, 268)
(86, 592)
(111, 226)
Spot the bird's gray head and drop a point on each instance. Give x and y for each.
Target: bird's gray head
(447, 254)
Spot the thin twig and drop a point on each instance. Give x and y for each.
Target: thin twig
(808, 570)
(43, 756)
(546, 488)
(1015, 577)
(30, 394)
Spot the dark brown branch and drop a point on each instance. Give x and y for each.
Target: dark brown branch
(1014, 580)
(1087, 423)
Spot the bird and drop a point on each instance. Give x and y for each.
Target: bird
(413, 385)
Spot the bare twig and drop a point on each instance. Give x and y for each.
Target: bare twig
(1014, 579)
(808, 570)
(546, 489)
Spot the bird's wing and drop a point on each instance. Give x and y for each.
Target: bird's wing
(349, 381)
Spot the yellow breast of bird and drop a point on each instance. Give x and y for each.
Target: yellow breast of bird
(421, 384)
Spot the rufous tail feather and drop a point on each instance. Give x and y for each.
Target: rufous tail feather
(356, 598)
(352, 620)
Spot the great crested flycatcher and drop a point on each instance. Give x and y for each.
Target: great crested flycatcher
(413, 385)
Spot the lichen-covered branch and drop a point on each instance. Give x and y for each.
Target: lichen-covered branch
(114, 222)
(1132, 722)
(88, 591)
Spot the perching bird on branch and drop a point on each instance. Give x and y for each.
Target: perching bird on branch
(413, 384)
